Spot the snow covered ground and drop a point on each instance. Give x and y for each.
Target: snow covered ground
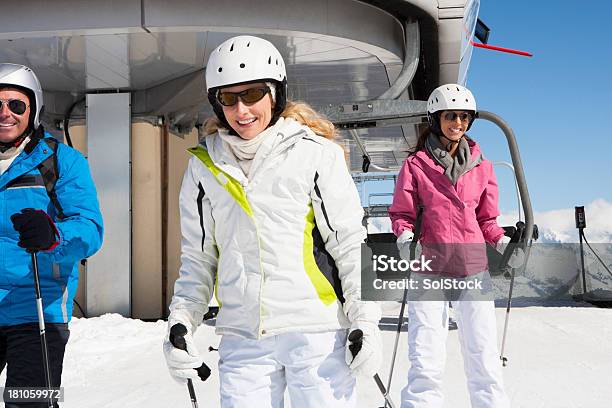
(559, 357)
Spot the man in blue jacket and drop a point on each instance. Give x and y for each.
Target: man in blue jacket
(48, 205)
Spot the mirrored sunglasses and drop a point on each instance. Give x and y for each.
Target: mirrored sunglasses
(248, 96)
(16, 106)
(452, 116)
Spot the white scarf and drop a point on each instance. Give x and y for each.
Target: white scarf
(7, 157)
(244, 150)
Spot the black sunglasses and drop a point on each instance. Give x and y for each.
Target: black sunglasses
(16, 106)
(248, 96)
(452, 116)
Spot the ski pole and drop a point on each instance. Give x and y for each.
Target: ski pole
(356, 340)
(502, 357)
(177, 338)
(400, 319)
(41, 326)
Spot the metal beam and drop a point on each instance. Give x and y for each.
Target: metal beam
(518, 168)
(376, 113)
(412, 50)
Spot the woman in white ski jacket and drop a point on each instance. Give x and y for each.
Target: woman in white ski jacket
(271, 220)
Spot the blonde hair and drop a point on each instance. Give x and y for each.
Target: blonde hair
(296, 110)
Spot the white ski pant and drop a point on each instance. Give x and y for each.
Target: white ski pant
(311, 366)
(427, 332)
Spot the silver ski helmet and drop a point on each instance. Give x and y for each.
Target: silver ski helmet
(449, 97)
(22, 77)
(245, 59)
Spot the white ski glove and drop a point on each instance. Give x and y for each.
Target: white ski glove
(183, 364)
(368, 357)
(403, 244)
(518, 255)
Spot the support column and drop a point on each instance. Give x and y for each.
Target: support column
(108, 144)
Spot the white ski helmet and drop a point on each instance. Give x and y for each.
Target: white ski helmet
(245, 59)
(449, 97)
(23, 77)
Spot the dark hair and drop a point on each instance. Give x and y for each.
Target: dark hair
(424, 133)
(425, 129)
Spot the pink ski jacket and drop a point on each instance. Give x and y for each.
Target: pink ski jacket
(457, 219)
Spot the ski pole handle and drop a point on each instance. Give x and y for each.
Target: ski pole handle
(177, 338)
(355, 339)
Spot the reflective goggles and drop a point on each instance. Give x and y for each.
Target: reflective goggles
(16, 106)
(452, 116)
(248, 96)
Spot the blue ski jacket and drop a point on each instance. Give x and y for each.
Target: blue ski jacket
(80, 229)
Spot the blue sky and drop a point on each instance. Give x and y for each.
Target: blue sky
(559, 102)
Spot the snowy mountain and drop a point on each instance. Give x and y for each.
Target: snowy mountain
(557, 226)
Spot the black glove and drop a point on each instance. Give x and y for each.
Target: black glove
(36, 230)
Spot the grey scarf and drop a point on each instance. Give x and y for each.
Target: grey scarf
(454, 167)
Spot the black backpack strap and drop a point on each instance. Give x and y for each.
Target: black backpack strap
(50, 173)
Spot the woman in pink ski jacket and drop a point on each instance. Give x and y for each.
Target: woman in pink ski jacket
(455, 186)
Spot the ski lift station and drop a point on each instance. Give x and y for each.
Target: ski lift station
(124, 83)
